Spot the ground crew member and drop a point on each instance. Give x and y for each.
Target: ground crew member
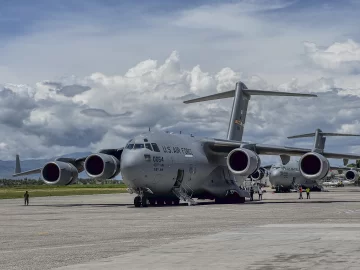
(308, 193)
(260, 194)
(300, 192)
(26, 198)
(251, 194)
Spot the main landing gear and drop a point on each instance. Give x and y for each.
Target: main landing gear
(143, 201)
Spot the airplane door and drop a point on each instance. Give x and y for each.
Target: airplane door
(179, 178)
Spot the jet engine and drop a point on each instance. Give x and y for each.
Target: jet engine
(243, 162)
(102, 166)
(258, 174)
(351, 175)
(314, 166)
(59, 173)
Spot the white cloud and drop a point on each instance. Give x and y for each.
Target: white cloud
(102, 111)
(343, 57)
(126, 81)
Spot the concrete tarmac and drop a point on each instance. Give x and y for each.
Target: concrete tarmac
(107, 232)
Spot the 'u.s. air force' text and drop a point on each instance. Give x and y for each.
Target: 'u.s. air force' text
(177, 150)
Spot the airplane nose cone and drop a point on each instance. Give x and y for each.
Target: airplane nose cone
(131, 168)
(274, 174)
(274, 177)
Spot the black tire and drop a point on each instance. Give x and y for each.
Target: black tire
(168, 202)
(160, 202)
(144, 202)
(176, 202)
(152, 202)
(137, 201)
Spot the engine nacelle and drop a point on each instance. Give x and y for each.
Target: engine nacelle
(102, 166)
(314, 166)
(243, 162)
(258, 174)
(59, 173)
(351, 175)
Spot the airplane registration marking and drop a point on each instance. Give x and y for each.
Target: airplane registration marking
(158, 163)
(177, 150)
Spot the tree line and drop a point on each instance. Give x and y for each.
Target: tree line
(38, 182)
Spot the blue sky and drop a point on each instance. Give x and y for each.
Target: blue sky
(188, 47)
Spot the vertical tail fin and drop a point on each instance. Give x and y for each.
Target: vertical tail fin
(17, 165)
(240, 104)
(320, 139)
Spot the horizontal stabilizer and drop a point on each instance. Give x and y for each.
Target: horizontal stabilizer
(275, 93)
(222, 95)
(323, 134)
(249, 92)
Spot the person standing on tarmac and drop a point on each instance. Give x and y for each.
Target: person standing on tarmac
(300, 192)
(251, 193)
(307, 193)
(26, 198)
(260, 194)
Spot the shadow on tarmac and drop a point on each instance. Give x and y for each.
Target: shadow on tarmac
(130, 205)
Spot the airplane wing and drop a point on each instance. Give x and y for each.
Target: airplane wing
(34, 171)
(77, 162)
(225, 146)
(268, 167)
(344, 168)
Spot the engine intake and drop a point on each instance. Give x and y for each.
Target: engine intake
(314, 166)
(258, 174)
(102, 166)
(243, 162)
(351, 175)
(59, 173)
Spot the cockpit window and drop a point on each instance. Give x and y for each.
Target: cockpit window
(130, 146)
(148, 146)
(155, 147)
(139, 146)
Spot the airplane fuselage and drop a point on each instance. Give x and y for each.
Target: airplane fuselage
(286, 177)
(158, 162)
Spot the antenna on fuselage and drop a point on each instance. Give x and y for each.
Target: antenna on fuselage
(240, 104)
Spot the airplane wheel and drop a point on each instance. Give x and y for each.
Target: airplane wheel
(137, 201)
(144, 202)
(176, 202)
(160, 202)
(219, 200)
(168, 202)
(152, 202)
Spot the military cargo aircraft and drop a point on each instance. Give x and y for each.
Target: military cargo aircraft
(287, 176)
(162, 168)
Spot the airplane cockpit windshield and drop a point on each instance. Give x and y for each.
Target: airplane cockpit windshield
(133, 146)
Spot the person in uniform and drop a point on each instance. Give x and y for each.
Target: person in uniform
(307, 193)
(300, 192)
(251, 193)
(260, 193)
(26, 198)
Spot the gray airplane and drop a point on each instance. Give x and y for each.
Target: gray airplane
(162, 168)
(287, 176)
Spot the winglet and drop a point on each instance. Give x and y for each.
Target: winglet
(17, 165)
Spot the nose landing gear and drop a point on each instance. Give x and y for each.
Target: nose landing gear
(140, 201)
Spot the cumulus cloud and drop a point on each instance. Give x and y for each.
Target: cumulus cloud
(340, 57)
(100, 111)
